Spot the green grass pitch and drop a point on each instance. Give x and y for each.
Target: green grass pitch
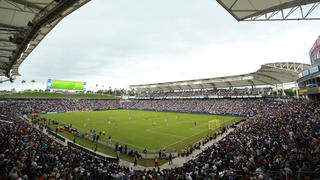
(144, 129)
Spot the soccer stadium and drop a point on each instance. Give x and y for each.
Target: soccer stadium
(236, 126)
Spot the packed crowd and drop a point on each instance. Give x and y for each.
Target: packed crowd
(209, 92)
(45, 105)
(214, 106)
(26, 153)
(281, 141)
(173, 105)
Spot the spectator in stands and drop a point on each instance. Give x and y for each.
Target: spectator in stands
(280, 140)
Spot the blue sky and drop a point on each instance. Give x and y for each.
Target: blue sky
(122, 42)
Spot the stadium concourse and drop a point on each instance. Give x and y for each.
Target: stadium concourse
(279, 140)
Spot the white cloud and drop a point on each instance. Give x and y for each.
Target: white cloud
(124, 42)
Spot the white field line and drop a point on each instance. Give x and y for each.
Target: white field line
(184, 139)
(118, 141)
(129, 144)
(154, 132)
(149, 130)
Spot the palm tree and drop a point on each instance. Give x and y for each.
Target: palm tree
(110, 90)
(22, 82)
(33, 81)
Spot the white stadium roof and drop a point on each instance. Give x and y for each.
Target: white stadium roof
(268, 74)
(23, 24)
(266, 10)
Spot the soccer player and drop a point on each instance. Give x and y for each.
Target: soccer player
(195, 123)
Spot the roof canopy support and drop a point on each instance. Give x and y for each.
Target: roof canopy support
(271, 10)
(7, 50)
(25, 25)
(25, 3)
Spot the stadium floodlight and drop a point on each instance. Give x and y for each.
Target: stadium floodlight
(26, 48)
(197, 82)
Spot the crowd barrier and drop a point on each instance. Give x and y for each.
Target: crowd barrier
(90, 152)
(57, 136)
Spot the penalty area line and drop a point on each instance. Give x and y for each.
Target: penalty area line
(184, 139)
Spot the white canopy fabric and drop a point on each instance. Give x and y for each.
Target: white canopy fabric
(23, 24)
(268, 74)
(244, 10)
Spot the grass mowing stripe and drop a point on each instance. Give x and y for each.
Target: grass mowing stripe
(138, 132)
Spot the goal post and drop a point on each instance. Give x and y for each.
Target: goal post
(214, 124)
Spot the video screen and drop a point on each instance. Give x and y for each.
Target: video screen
(68, 85)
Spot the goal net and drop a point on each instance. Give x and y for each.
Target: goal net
(214, 124)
